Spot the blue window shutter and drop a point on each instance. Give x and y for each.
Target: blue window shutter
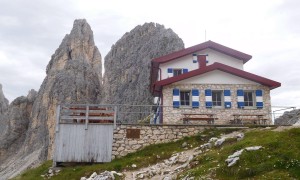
(170, 72)
(227, 99)
(259, 99)
(208, 98)
(195, 98)
(185, 70)
(240, 98)
(176, 98)
(195, 58)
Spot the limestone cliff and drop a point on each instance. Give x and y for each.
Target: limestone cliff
(73, 76)
(16, 121)
(127, 65)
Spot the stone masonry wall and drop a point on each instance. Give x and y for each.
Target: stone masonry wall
(173, 115)
(149, 134)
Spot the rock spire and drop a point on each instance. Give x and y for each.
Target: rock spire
(74, 75)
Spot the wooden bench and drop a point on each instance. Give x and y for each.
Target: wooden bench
(210, 118)
(254, 118)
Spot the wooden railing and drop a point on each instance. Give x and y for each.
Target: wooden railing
(86, 114)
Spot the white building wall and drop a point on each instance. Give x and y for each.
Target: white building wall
(180, 63)
(216, 56)
(187, 62)
(216, 77)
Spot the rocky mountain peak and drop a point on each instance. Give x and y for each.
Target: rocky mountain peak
(77, 46)
(74, 75)
(127, 65)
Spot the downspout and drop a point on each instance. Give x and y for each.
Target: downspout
(159, 73)
(162, 109)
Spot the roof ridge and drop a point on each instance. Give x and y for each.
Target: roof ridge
(207, 44)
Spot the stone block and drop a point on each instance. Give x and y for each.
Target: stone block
(141, 142)
(135, 147)
(119, 136)
(132, 142)
(120, 149)
(156, 132)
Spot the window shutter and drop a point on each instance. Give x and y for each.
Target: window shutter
(176, 98)
(240, 98)
(195, 98)
(194, 58)
(170, 72)
(227, 98)
(185, 71)
(208, 98)
(259, 99)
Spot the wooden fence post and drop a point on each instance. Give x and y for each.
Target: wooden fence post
(115, 116)
(86, 117)
(57, 118)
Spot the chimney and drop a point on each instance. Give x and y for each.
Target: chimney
(202, 60)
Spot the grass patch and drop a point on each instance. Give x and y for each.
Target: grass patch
(36, 172)
(279, 158)
(145, 157)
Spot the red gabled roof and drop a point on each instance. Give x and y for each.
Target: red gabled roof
(208, 44)
(218, 66)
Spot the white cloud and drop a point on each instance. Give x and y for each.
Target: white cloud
(268, 30)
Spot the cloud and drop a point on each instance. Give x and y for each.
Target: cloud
(268, 30)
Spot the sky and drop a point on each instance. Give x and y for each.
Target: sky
(31, 31)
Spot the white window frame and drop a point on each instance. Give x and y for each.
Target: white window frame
(222, 99)
(177, 69)
(246, 103)
(189, 100)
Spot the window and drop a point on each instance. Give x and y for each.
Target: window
(217, 98)
(185, 98)
(177, 72)
(248, 98)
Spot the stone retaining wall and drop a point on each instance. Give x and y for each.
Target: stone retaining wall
(148, 134)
